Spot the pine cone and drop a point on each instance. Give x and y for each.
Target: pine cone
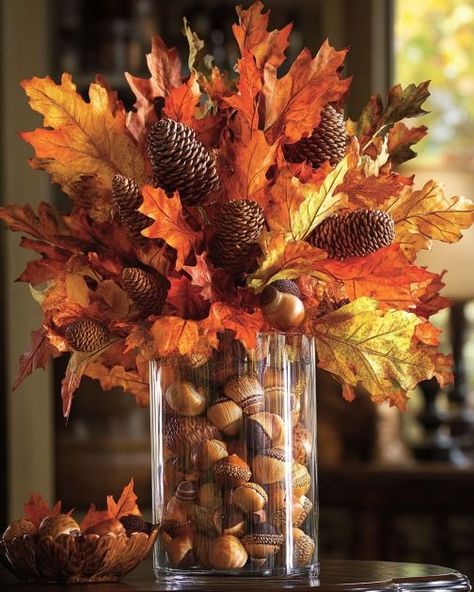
(234, 257)
(239, 221)
(287, 287)
(87, 335)
(148, 289)
(126, 200)
(353, 234)
(327, 141)
(180, 162)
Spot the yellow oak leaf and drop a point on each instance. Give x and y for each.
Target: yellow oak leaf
(117, 376)
(174, 335)
(84, 141)
(169, 223)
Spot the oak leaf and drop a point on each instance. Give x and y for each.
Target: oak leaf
(174, 335)
(246, 325)
(127, 503)
(400, 140)
(36, 356)
(82, 139)
(201, 276)
(94, 517)
(169, 223)
(117, 376)
(37, 509)
(372, 191)
(186, 299)
(181, 102)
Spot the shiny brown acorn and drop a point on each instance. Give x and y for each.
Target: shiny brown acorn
(55, 526)
(19, 528)
(185, 399)
(301, 444)
(231, 471)
(177, 469)
(270, 466)
(264, 430)
(263, 541)
(283, 311)
(179, 550)
(183, 434)
(209, 452)
(210, 496)
(213, 522)
(112, 527)
(250, 497)
(300, 480)
(226, 415)
(300, 510)
(227, 552)
(303, 548)
(247, 392)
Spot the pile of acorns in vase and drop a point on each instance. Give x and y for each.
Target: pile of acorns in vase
(237, 488)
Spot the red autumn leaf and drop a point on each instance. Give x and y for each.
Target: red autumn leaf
(186, 299)
(293, 103)
(201, 275)
(181, 102)
(94, 517)
(428, 333)
(37, 356)
(430, 300)
(127, 503)
(400, 140)
(246, 325)
(37, 509)
(169, 223)
(370, 192)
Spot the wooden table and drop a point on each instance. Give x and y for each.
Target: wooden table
(336, 576)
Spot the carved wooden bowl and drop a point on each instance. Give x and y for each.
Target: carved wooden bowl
(71, 559)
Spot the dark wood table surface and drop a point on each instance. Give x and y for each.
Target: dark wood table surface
(336, 576)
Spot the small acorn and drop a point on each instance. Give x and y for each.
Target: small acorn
(185, 399)
(186, 493)
(303, 548)
(231, 471)
(19, 528)
(112, 527)
(263, 541)
(55, 526)
(227, 552)
(179, 550)
(250, 497)
(247, 392)
(300, 510)
(300, 480)
(210, 496)
(264, 430)
(232, 521)
(282, 311)
(183, 434)
(177, 469)
(270, 466)
(206, 520)
(226, 415)
(276, 398)
(209, 452)
(133, 523)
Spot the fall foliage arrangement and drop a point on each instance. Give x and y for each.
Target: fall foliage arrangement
(234, 204)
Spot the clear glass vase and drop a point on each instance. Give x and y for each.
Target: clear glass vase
(234, 470)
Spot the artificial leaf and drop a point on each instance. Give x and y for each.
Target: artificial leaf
(246, 325)
(201, 276)
(169, 223)
(72, 379)
(94, 517)
(117, 376)
(181, 102)
(400, 140)
(427, 214)
(82, 139)
(251, 35)
(365, 346)
(186, 299)
(282, 260)
(197, 59)
(37, 509)
(430, 300)
(174, 335)
(293, 103)
(127, 503)
(37, 356)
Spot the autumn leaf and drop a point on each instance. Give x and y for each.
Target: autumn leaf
(82, 139)
(181, 102)
(430, 300)
(169, 223)
(246, 325)
(174, 335)
(127, 503)
(37, 509)
(426, 214)
(293, 103)
(117, 376)
(282, 260)
(37, 356)
(371, 348)
(251, 34)
(186, 299)
(201, 276)
(94, 517)
(400, 140)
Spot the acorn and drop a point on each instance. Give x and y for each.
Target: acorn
(210, 496)
(263, 541)
(275, 399)
(287, 287)
(264, 430)
(19, 528)
(177, 469)
(112, 527)
(232, 521)
(301, 444)
(247, 392)
(179, 550)
(184, 434)
(270, 466)
(250, 497)
(300, 510)
(186, 493)
(283, 311)
(227, 552)
(231, 471)
(179, 509)
(185, 399)
(209, 452)
(133, 523)
(239, 447)
(208, 521)
(226, 415)
(300, 480)
(55, 526)
(303, 548)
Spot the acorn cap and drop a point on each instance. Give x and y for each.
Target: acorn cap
(303, 547)
(264, 430)
(231, 471)
(300, 510)
(301, 444)
(134, 523)
(226, 415)
(184, 434)
(250, 497)
(186, 492)
(247, 392)
(209, 452)
(270, 466)
(19, 528)
(265, 540)
(300, 479)
(287, 287)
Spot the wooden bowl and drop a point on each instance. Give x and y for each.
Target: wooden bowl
(83, 558)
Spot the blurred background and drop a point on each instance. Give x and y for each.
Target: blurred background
(391, 487)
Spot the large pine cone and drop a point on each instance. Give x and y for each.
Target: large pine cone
(126, 200)
(87, 335)
(326, 143)
(237, 258)
(148, 289)
(181, 162)
(239, 221)
(354, 234)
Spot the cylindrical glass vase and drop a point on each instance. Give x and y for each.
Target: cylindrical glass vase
(234, 471)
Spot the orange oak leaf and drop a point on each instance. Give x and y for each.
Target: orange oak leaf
(186, 299)
(246, 325)
(82, 140)
(251, 34)
(94, 517)
(430, 300)
(201, 275)
(127, 503)
(400, 140)
(181, 102)
(36, 509)
(427, 214)
(174, 335)
(164, 65)
(371, 191)
(169, 223)
(36, 356)
(117, 376)
(293, 103)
